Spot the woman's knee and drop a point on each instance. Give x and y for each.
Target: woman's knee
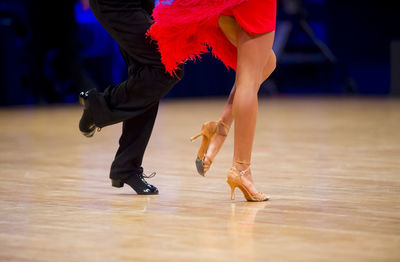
(270, 65)
(247, 87)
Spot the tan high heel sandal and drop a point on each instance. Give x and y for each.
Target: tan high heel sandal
(234, 180)
(208, 130)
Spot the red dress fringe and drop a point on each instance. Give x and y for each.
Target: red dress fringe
(185, 29)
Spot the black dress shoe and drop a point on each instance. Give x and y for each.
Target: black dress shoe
(86, 124)
(137, 183)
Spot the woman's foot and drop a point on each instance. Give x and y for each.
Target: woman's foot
(215, 145)
(240, 176)
(213, 134)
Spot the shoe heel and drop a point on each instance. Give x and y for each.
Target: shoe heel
(117, 183)
(232, 190)
(81, 101)
(196, 136)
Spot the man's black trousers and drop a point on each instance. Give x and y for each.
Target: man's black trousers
(134, 101)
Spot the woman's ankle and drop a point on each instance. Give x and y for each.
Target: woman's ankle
(241, 165)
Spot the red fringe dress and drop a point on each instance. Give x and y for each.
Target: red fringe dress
(185, 29)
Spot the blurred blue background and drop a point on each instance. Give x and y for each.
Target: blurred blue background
(51, 50)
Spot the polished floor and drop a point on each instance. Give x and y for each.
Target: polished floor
(330, 165)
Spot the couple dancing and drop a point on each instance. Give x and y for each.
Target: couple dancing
(239, 32)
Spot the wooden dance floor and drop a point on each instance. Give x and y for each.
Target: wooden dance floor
(330, 165)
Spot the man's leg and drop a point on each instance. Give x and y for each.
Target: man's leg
(136, 133)
(134, 101)
(126, 167)
(131, 98)
(127, 22)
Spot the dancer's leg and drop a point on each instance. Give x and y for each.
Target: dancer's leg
(135, 136)
(134, 101)
(147, 80)
(226, 114)
(231, 28)
(255, 57)
(217, 139)
(256, 61)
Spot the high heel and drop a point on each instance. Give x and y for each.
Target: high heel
(208, 130)
(233, 186)
(234, 180)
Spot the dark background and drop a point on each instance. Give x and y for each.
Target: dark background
(51, 50)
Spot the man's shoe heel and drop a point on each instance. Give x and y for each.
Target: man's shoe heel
(83, 96)
(82, 101)
(117, 183)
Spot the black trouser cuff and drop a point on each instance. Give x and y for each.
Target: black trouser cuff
(124, 173)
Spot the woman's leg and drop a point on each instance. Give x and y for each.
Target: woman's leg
(217, 139)
(230, 28)
(226, 115)
(255, 58)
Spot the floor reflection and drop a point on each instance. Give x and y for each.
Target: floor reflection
(242, 225)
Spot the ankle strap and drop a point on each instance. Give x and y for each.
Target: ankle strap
(242, 162)
(222, 128)
(243, 172)
(224, 124)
